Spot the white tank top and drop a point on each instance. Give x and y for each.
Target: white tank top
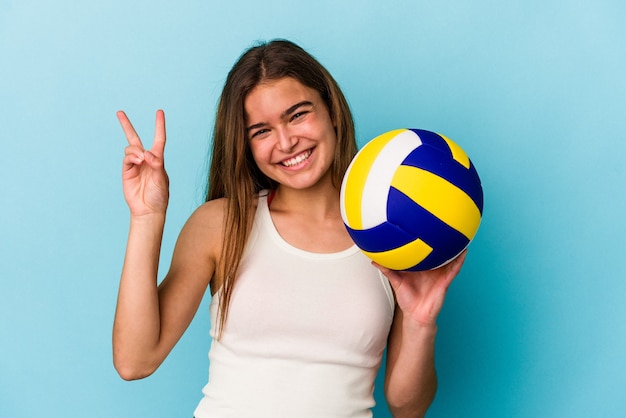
(304, 336)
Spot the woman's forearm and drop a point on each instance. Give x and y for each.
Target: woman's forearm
(136, 328)
(411, 382)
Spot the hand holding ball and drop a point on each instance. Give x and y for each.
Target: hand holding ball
(411, 200)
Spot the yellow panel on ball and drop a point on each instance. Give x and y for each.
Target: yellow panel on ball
(457, 152)
(441, 198)
(402, 258)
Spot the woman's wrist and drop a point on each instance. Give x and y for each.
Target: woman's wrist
(148, 219)
(419, 329)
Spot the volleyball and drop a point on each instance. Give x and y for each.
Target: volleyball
(411, 200)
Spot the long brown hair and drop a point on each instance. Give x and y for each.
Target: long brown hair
(233, 173)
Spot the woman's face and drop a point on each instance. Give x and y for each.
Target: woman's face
(290, 132)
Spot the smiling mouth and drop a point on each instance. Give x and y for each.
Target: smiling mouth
(298, 159)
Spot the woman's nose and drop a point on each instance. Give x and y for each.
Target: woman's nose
(286, 140)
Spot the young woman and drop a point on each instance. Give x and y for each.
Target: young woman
(300, 317)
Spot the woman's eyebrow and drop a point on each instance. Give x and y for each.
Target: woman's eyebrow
(283, 115)
(295, 107)
(255, 126)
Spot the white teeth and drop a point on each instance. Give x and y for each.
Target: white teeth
(297, 159)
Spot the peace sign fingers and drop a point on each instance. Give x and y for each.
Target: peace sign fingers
(144, 179)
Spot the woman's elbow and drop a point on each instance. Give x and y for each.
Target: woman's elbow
(408, 411)
(414, 406)
(130, 371)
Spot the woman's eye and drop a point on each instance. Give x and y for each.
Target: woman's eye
(259, 132)
(298, 115)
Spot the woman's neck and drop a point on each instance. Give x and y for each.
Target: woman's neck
(317, 203)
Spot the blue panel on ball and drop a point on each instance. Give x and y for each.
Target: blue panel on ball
(383, 237)
(429, 157)
(446, 241)
(433, 140)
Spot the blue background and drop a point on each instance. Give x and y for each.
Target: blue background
(534, 91)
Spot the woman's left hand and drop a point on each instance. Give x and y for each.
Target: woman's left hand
(420, 294)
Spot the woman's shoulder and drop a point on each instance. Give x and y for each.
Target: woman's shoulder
(206, 222)
(214, 212)
(208, 211)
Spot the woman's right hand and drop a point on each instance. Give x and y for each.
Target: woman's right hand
(144, 180)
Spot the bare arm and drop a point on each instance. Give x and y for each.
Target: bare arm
(411, 379)
(149, 320)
